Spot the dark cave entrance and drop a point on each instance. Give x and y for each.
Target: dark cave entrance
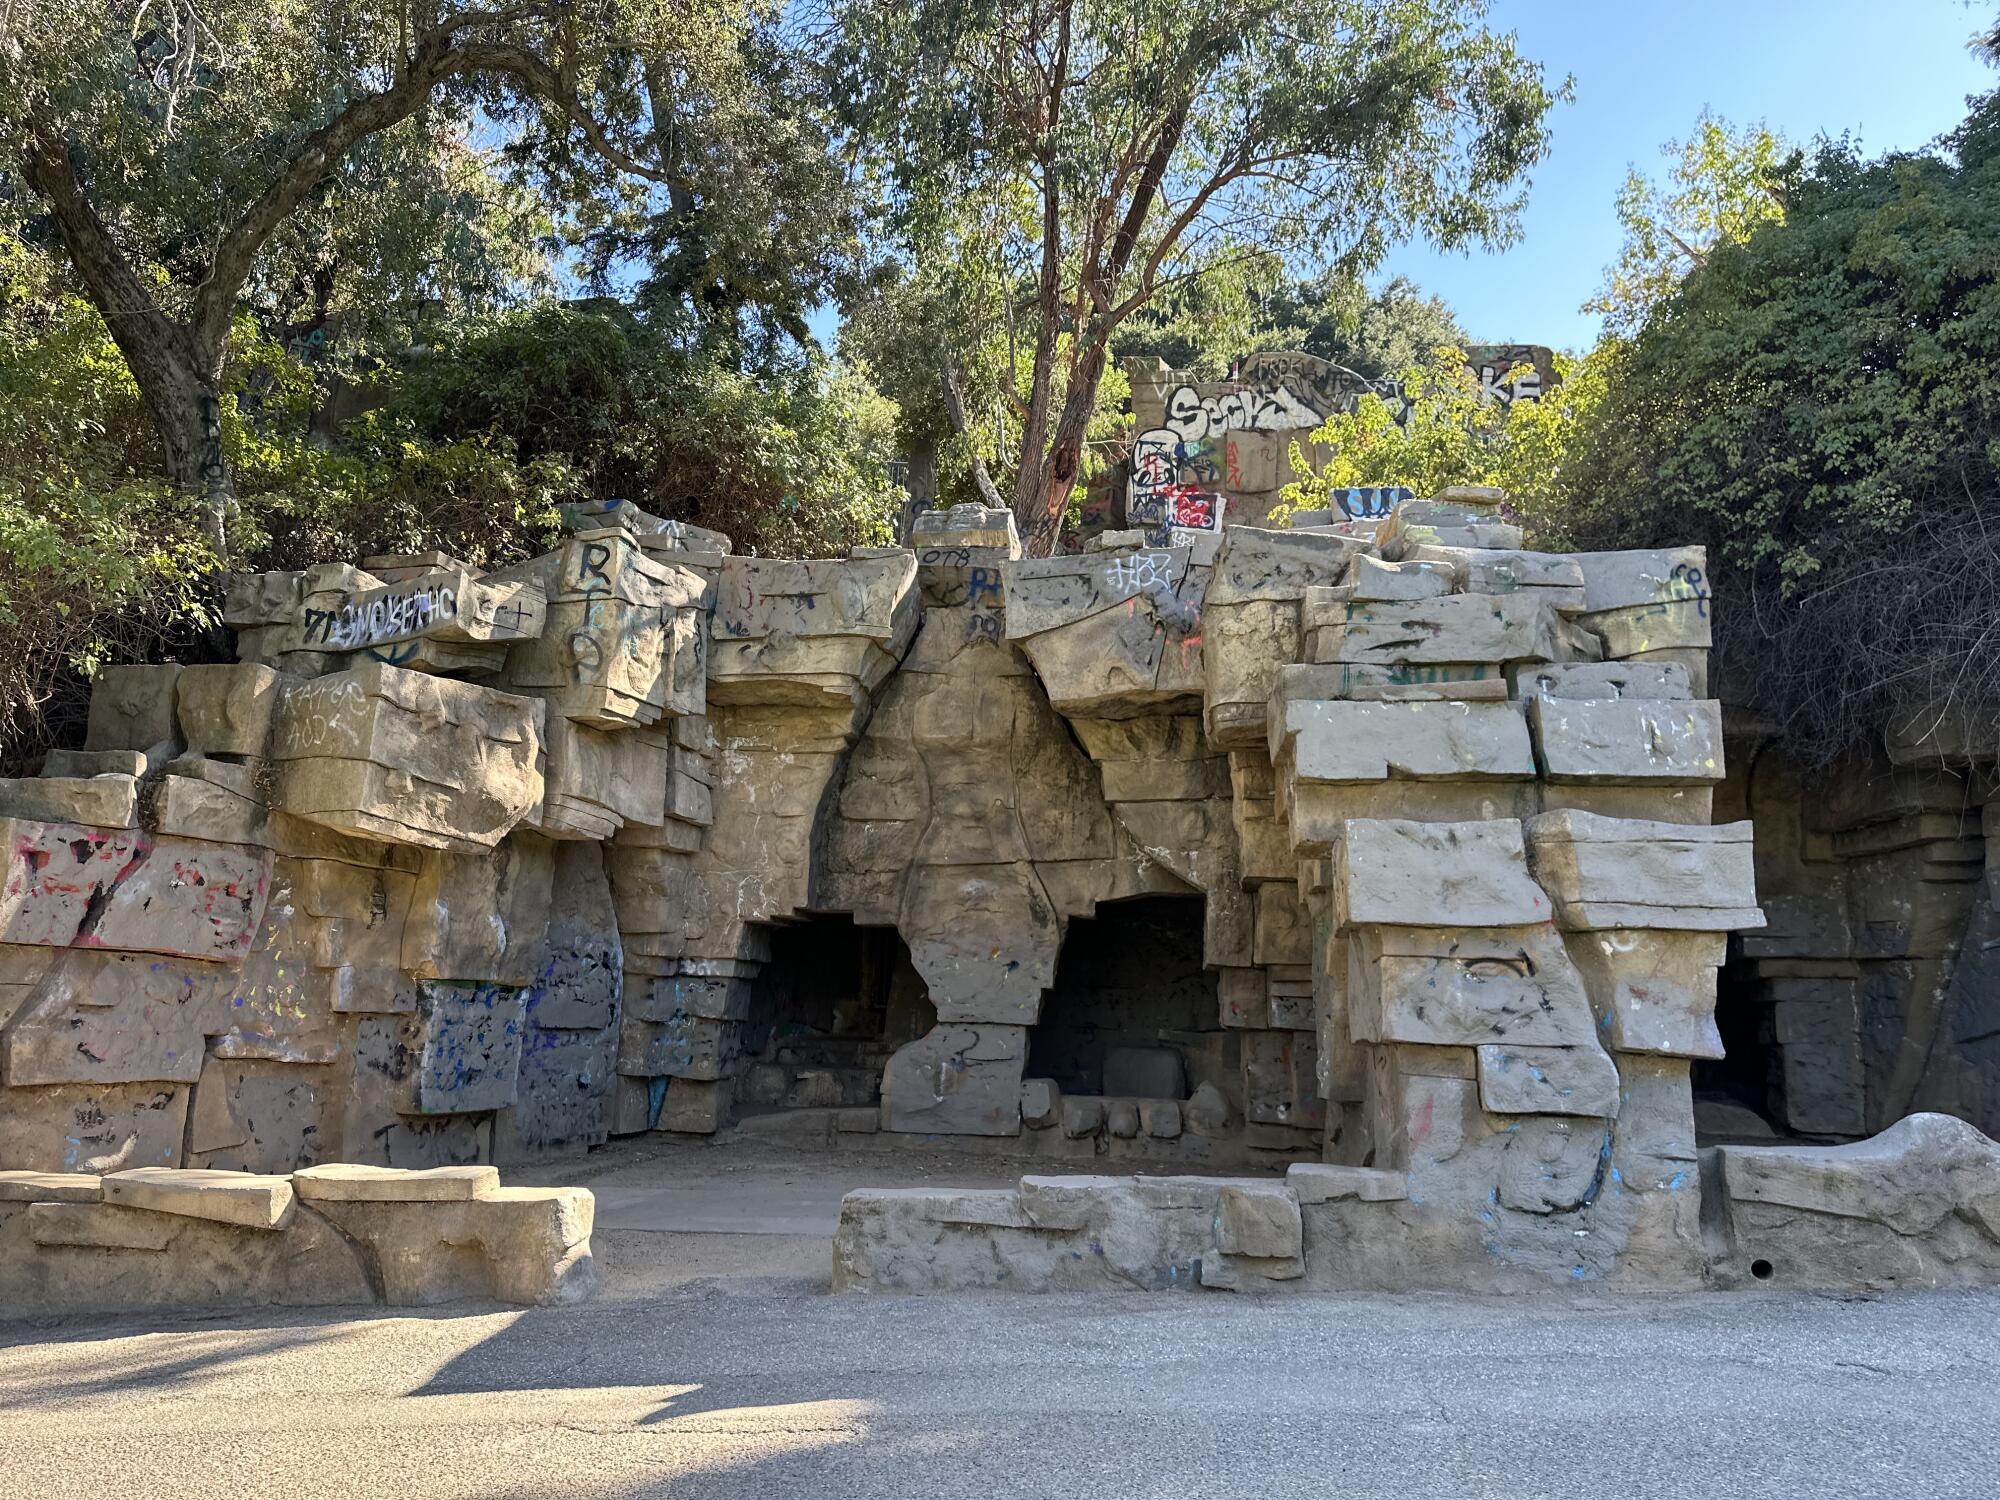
(1747, 1077)
(1132, 1012)
(837, 998)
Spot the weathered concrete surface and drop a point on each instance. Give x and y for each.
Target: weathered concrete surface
(1916, 1206)
(568, 850)
(151, 1238)
(749, 1395)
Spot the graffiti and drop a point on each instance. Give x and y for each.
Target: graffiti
(1162, 502)
(1192, 416)
(374, 620)
(1689, 583)
(1367, 504)
(1317, 383)
(945, 557)
(983, 583)
(1492, 363)
(1285, 390)
(1141, 573)
(308, 344)
(984, 626)
(590, 574)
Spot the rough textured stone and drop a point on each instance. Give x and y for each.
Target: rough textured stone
(1630, 741)
(242, 1198)
(1337, 742)
(1057, 1234)
(131, 708)
(1625, 872)
(1517, 1080)
(1430, 874)
(553, 851)
(958, 1080)
(1917, 1205)
(50, 1187)
(408, 758)
(345, 1182)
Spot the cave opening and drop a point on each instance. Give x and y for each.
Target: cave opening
(837, 999)
(1132, 1012)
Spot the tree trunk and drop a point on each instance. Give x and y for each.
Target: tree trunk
(1063, 469)
(179, 375)
(185, 399)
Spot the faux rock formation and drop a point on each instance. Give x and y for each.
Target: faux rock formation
(454, 866)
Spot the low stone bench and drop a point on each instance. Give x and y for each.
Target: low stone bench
(162, 1238)
(1916, 1206)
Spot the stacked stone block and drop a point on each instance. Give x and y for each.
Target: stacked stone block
(453, 866)
(1519, 906)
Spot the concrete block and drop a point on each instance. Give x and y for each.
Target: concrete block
(1262, 1222)
(1547, 1081)
(242, 1198)
(1403, 873)
(50, 1187)
(347, 1182)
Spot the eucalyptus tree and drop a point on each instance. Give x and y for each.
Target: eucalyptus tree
(195, 155)
(1149, 143)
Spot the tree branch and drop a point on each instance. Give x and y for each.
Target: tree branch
(116, 289)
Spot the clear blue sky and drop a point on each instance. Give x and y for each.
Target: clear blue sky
(1893, 72)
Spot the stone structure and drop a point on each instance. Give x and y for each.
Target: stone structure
(1206, 453)
(1916, 1207)
(163, 1237)
(1875, 989)
(1379, 844)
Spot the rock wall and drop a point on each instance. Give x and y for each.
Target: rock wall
(160, 1237)
(1875, 989)
(1914, 1207)
(453, 868)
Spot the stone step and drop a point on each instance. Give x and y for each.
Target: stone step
(242, 1198)
(348, 1182)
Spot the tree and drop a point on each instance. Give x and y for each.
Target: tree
(1453, 432)
(1375, 334)
(1820, 405)
(1724, 184)
(790, 459)
(1148, 145)
(175, 143)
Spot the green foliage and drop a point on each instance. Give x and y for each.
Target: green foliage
(1202, 323)
(1818, 405)
(1374, 334)
(98, 560)
(1724, 184)
(1118, 153)
(1450, 435)
(789, 459)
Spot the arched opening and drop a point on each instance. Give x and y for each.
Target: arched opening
(1132, 1012)
(837, 998)
(1739, 1095)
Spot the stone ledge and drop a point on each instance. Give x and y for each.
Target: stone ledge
(241, 1198)
(51, 1187)
(1915, 1206)
(328, 1236)
(350, 1182)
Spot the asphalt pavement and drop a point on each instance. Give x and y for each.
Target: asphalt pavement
(715, 1362)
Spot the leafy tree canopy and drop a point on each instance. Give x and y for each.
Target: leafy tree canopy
(1373, 333)
(192, 156)
(1723, 185)
(1820, 405)
(1126, 149)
